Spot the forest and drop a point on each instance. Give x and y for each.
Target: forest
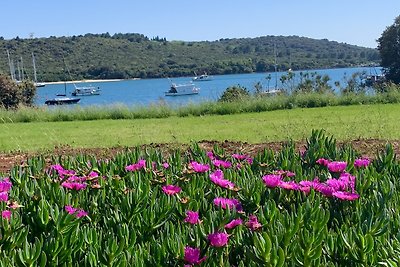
(134, 55)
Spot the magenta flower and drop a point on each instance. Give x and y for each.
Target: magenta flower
(192, 256)
(323, 162)
(6, 214)
(290, 185)
(78, 213)
(358, 163)
(198, 167)
(253, 223)
(312, 184)
(74, 185)
(165, 165)
(61, 171)
(221, 163)
(218, 239)
(272, 180)
(171, 189)
(337, 166)
(137, 166)
(345, 195)
(228, 203)
(70, 209)
(210, 155)
(192, 217)
(5, 185)
(3, 196)
(232, 224)
(239, 156)
(217, 177)
(324, 189)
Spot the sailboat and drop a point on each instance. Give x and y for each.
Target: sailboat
(37, 84)
(275, 91)
(62, 99)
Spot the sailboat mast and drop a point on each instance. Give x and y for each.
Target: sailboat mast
(10, 65)
(34, 67)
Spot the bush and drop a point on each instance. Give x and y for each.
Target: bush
(234, 93)
(12, 95)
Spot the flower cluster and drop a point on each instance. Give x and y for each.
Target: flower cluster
(78, 213)
(141, 164)
(342, 188)
(5, 187)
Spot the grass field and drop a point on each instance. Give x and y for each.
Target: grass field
(344, 122)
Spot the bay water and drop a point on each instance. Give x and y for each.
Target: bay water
(145, 92)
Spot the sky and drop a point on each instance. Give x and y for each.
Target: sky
(356, 22)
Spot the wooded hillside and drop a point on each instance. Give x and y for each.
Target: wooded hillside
(124, 56)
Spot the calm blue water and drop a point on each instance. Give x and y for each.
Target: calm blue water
(151, 91)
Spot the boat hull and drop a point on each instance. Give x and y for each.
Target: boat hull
(181, 93)
(62, 101)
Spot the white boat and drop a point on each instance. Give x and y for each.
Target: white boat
(62, 101)
(85, 90)
(182, 89)
(203, 77)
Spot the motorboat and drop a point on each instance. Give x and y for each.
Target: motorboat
(86, 91)
(62, 101)
(182, 89)
(203, 77)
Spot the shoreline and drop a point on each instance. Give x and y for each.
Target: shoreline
(91, 81)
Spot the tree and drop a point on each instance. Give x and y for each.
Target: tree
(389, 49)
(12, 95)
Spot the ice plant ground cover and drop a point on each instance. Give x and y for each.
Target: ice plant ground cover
(204, 208)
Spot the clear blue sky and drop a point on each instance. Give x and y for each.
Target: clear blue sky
(358, 22)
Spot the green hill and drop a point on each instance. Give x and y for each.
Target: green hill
(124, 56)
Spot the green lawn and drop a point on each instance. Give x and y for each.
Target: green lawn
(344, 122)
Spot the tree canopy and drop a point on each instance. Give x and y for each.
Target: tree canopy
(389, 49)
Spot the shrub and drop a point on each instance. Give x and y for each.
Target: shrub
(234, 93)
(13, 95)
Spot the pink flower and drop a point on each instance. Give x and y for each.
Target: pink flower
(198, 167)
(222, 163)
(5, 185)
(192, 256)
(93, 174)
(217, 177)
(81, 213)
(345, 195)
(337, 166)
(70, 209)
(291, 185)
(78, 213)
(228, 203)
(239, 156)
(271, 180)
(210, 155)
(192, 217)
(218, 239)
(253, 223)
(4, 196)
(6, 214)
(74, 185)
(137, 166)
(61, 171)
(324, 189)
(323, 162)
(171, 189)
(358, 163)
(233, 223)
(165, 165)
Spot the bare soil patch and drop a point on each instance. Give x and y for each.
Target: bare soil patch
(366, 147)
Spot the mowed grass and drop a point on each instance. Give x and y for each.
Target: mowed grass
(344, 122)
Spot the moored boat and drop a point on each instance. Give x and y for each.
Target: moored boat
(182, 89)
(203, 77)
(86, 91)
(62, 101)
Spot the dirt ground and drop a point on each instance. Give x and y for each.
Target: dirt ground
(367, 148)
